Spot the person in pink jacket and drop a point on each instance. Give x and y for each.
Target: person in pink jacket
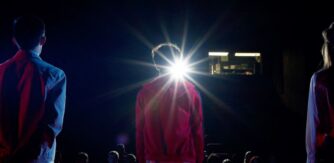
(169, 121)
(32, 99)
(320, 114)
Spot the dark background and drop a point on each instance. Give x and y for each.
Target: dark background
(93, 42)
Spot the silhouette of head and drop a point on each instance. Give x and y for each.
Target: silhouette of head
(247, 156)
(227, 161)
(214, 158)
(28, 32)
(113, 157)
(130, 158)
(82, 157)
(164, 54)
(255, 159)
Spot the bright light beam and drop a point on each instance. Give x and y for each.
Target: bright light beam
(179, 69)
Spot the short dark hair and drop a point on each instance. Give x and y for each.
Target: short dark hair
(28, 31)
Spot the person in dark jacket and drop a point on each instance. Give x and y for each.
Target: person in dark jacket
(169, 119)
(32, 98)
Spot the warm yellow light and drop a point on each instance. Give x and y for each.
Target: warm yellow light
(218, 53)
(247, 54)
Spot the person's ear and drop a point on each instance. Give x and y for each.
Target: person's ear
(42, 41)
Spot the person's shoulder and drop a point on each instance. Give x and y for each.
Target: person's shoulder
(322, 77)
(321, 74)
(49, 69)
(150, 87)
(5, 63)
(145, 88)
(191, 87)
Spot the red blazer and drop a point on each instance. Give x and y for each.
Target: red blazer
(320, 117)
(32, 105)
(169, 122)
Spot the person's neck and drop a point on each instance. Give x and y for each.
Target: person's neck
(30, 53)
(34, 52)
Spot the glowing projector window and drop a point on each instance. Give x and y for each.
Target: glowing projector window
(239, 63)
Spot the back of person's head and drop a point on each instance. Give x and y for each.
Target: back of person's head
(130, 158)
(28, 31)
(113, 157)
(227, 161)
(328, 46)
(248, 155)
(255, 159)
(165, 54)
(82, 157)
(214, 158)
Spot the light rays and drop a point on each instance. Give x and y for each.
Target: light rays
(179, 70)
(187, 74)
(187, 57)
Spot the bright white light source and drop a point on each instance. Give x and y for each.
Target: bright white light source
(179, 69)
(218, 53)
(247, 54)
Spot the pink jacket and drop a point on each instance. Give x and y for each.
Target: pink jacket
(169, 122)
(32, 106)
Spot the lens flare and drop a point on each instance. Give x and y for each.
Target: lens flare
(185, 68)
(179, 69)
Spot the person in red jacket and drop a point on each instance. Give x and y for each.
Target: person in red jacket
(32, 98)
(320, 115)
(169, 120)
